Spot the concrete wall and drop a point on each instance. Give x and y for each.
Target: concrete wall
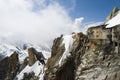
(99, 33)
(116, 33)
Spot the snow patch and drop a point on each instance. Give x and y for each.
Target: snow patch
(114, 21)
(68, 41)
(23, 55)
(7, 50)
(37, 68)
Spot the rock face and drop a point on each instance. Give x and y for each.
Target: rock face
(112, 14)
(88, 61)
(14, 61)
(40, 57)
(57, 50)
(30, 76)
(34, 55)
(66, 71)
(4, 68)
(31, 53)
(9, 67)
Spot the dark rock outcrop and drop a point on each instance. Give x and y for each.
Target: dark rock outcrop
(1, 57)
(4, 68)
(34, 55)
(31, 53)
(112, 14)
(9, 67)
(40, 57)
(66, 71)
(57, 50)
(88, 61)
(30, 76)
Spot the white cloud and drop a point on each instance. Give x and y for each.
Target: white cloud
(80, 26)
(20, 21)
(78, 22)
(92, 24)
(17, 20)
(72, 6)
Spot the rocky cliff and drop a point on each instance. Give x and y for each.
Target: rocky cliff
(9, 67)
(87, 57)
(73, 57)
(87, 60)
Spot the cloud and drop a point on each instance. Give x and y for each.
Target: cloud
(36, 21)
(72, 6)
(78, 21)
(20, 21)
(80, 26)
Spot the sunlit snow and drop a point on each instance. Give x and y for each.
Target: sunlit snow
(114, 21)
(37, 68)
(68, 41)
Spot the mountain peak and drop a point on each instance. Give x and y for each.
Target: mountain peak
(112, 14)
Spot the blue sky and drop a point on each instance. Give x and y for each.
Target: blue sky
(91, 10)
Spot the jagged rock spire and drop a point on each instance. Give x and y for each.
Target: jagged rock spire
(115, 9)
(112, 14)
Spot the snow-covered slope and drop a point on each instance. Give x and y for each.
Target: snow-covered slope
(37, 68)
(8, 47)
(68, 41)
(114, 21)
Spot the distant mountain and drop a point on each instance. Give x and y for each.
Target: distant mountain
(14, 58)
(114, 18)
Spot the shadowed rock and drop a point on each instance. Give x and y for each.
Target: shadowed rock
(40, 57)
(9, 67)
(31, 53)
(112, 14)
(34, 55)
